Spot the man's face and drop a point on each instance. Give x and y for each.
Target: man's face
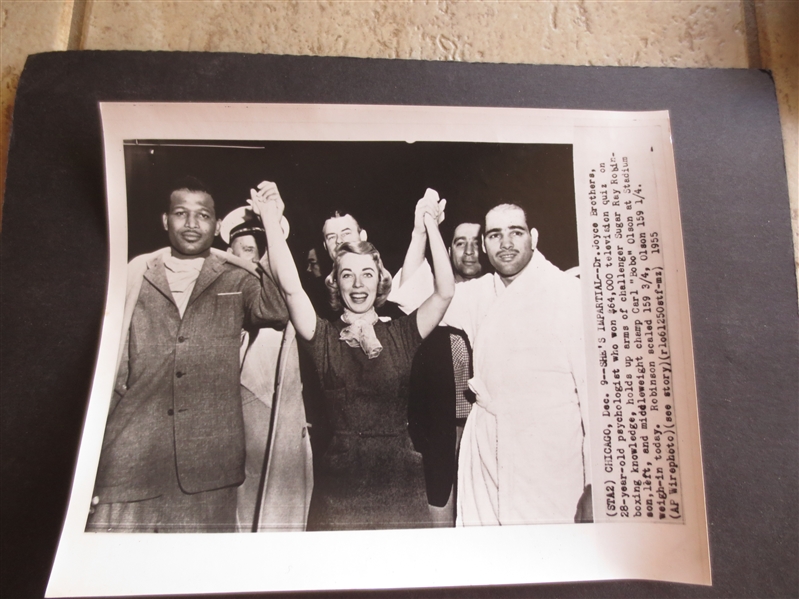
(191, 222)
(313, 267)
(508, 242)
(338, 230)
(465, 251)
(357, 282)
(244, 246)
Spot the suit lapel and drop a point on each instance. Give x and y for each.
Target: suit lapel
(156, 276)
(212, 268)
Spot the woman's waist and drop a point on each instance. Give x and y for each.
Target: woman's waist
(376, 446)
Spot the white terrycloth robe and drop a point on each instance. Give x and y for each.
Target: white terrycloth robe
(522, 453)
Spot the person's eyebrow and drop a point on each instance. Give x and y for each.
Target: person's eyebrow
(494, 230)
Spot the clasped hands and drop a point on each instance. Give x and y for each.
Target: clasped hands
(265, 201)
(429, 206)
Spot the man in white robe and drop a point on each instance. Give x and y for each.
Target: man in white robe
(524, 456)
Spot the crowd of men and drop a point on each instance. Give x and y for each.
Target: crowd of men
(215, 421)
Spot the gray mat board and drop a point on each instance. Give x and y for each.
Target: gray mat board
(736, 226)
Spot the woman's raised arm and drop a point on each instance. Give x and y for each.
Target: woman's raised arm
(267, 203)
(432, 310)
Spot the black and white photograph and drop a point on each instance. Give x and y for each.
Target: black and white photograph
(186, 438)
(361, 320)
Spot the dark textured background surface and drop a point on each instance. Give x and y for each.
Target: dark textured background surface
(734, 204)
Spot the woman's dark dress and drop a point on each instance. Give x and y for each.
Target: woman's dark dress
(370, 476)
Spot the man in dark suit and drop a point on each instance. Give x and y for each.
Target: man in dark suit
(173, 452)
(438, 400)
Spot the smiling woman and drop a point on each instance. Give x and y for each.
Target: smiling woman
(369, 476)
(359, 280)
(358, 283)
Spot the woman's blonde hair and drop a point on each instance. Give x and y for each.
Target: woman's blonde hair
(361, 248)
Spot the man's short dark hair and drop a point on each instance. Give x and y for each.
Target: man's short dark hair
(448, 228)
(507, 207)
(456, 215)
(340, 214)
(189, 183)
(322, 257)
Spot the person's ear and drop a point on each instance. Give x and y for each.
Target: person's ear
(483, 244)
(165, 221)
(229, 250)
(218, 227)
(533, 238)
(362, 235)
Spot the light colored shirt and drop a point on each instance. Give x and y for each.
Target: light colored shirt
(181, 276)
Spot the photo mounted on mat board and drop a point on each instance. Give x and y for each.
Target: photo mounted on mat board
(318, 326)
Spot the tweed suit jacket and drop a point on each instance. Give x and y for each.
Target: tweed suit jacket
(177, 404)
(431, 412)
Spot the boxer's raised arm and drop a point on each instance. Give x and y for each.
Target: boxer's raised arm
(428, 204)
(432, 310)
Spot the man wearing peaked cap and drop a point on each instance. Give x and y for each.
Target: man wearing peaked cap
(244, 234)
(269, 355)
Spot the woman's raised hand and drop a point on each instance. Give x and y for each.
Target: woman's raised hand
(430, 221)
(266, 201)
(428, 204)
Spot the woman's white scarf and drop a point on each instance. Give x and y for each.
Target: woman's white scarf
(361, 332)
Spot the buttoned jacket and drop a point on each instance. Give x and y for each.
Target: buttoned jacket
(431, 413)
(177, 404)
